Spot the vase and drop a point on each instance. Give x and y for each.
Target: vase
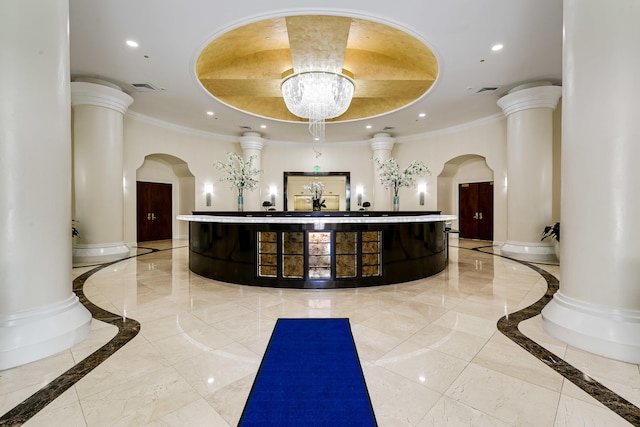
(396, 203)
(316, 208)
(240, 203)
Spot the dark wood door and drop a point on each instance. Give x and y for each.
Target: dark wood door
(475, 216)
(154, 211)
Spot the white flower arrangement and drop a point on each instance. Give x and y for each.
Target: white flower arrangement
(392, 177)
(316, 188)
(240, 173)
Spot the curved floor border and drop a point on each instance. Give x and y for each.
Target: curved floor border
(508, 325)
(127, 330)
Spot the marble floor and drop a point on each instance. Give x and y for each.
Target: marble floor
(431, 351)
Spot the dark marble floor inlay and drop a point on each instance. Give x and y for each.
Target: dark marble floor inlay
(127, 330)
(508, 325)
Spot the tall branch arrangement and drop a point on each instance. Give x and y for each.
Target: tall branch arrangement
(239, 173)
(392, 177)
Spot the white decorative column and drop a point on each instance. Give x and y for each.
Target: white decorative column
(252, 144)
(39, 313)
(529, 110)
(598, 305)
(381, 145)
(98, 114)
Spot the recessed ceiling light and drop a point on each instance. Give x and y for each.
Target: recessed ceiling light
(422, 115)
(368, 126)
(209, 113)
(496, 47)
(263, 126)
(132, 43)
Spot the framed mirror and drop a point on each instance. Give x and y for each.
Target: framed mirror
(337, 190)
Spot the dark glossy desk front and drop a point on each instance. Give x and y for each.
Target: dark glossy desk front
(316, 252)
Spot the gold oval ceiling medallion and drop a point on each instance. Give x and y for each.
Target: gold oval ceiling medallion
(244, 67)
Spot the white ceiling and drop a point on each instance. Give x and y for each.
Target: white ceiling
(172, 33)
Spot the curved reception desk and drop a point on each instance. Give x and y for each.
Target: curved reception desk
(317, 250)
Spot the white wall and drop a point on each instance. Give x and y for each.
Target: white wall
(486, 139)
(198, 151)
(300, 157)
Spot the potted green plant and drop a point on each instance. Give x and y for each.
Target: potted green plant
(366, 205)
(266, 205)
(553, 232)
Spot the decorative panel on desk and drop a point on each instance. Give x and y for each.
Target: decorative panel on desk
(293, 254)
(319, 255)
(267, 254)
(346, 254)
(371, 253)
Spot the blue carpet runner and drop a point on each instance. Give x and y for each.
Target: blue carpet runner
(310, 376)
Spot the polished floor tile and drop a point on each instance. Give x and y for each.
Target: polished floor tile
(431, 351)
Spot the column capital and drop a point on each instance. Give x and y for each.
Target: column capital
(530, 97)
(251, 141)
(85, 93)
(382, 141)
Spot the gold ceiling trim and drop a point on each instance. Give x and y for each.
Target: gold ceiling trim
(244, 67)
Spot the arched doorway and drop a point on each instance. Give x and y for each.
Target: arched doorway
(465, 189)
(165, 188)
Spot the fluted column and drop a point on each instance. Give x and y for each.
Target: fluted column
(529, 111)
(98, 113)
(252, 144)
(598, 305)
(381, 145)
(39, 313)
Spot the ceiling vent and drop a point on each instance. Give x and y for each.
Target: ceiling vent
(245, 127)
(388, 128)
(144, 87)
(487, 89)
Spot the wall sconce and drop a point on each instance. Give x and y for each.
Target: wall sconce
(359, 194)
(422, 188)
(208, 190)
(273, 190)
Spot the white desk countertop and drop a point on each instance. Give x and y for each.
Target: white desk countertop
(316, 219)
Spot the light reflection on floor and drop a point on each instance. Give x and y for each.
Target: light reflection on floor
(430, 350)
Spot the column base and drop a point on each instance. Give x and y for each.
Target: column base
(105, 252)
(36, 334)
(608, 332)
(529, 251)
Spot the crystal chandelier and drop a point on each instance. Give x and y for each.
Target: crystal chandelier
(317, 95)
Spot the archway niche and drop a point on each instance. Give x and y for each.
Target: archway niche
(168, 169)
(467, 168)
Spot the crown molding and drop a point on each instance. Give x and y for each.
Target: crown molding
(177, 128)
